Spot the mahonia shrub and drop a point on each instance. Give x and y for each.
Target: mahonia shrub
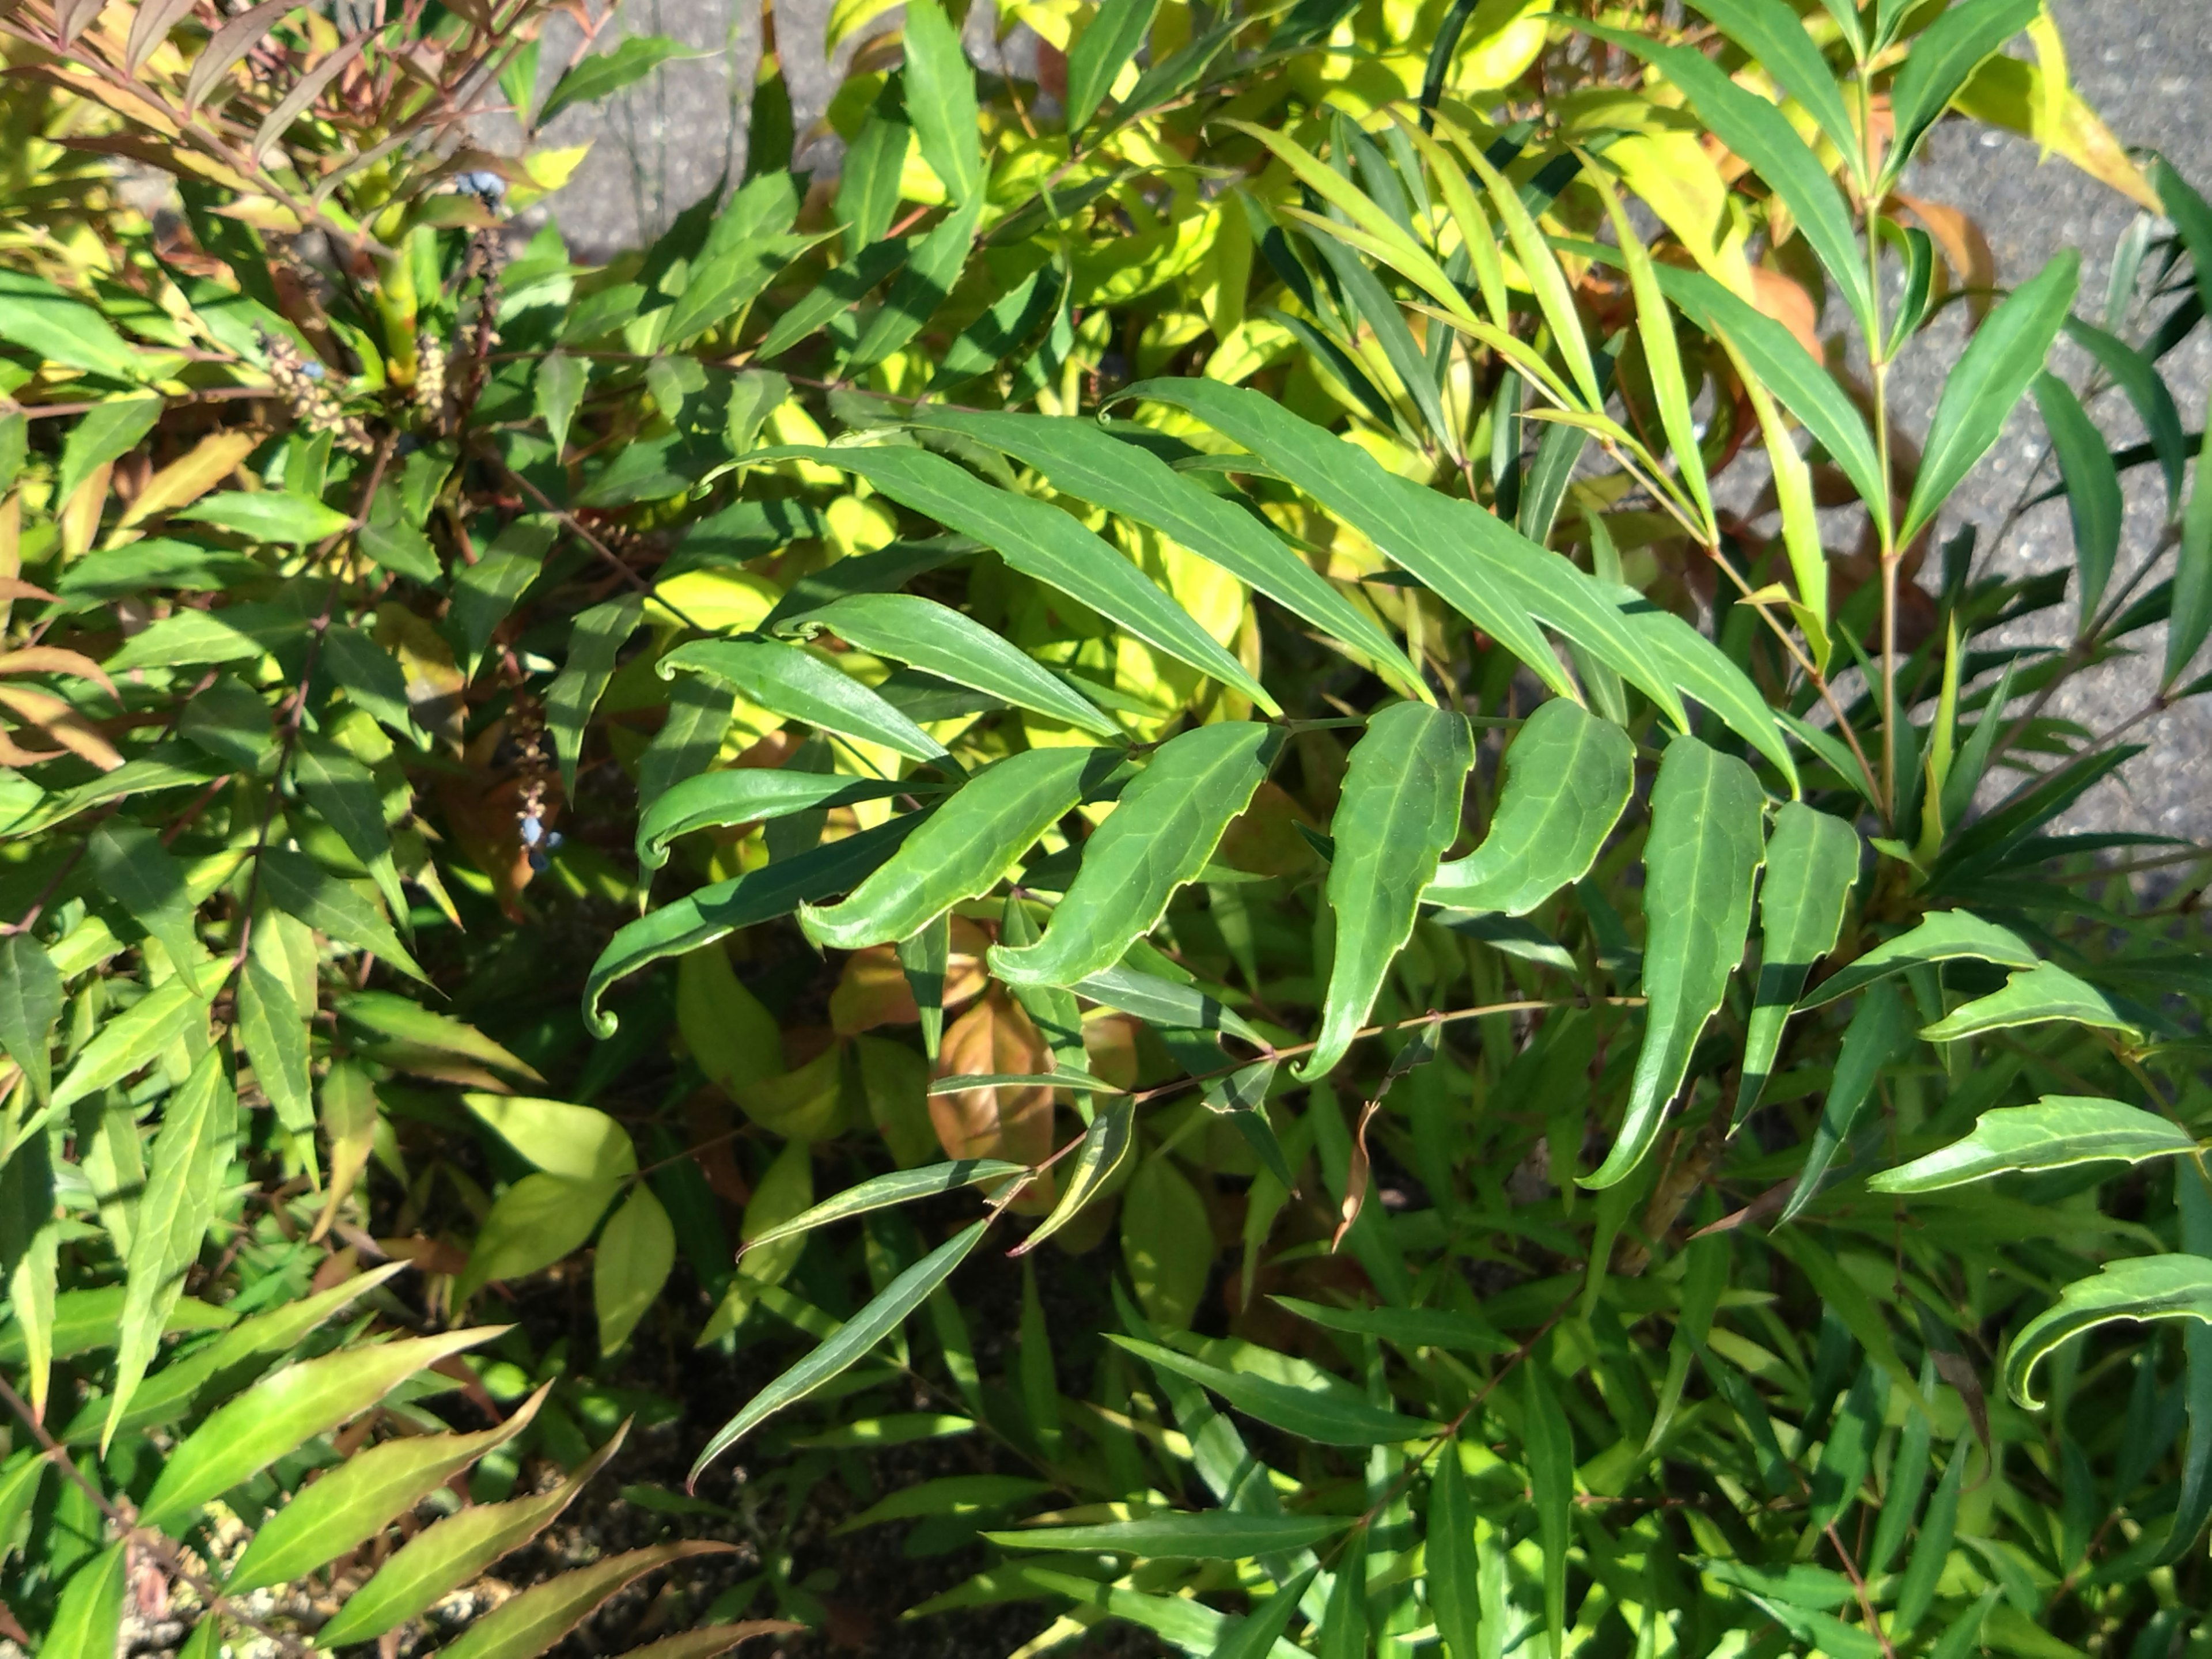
(1230, 837)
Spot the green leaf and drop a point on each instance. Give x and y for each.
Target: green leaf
(30, 1002)
(794, 683)
(1161, 834)
(957, 648)
(44, 321)
(2044, 992)
(1923, 1569)
(1108, 44)
(635, 1254)
(1942, 936)
(1880, 1028)
(246, 1435)
(850, 1341)
(87, 1621)
(1398, 810)
(452, 1552)
(595, 641)
(717, 287)
(345, 793)
(1080, 458)
(1256, 1635)
(1704, 850)
(881, 1192)
(763, 895)
(296, 885)
(2192, 574)
(1701, 670)
(1779, 362)
(606, 72)
(2093, 488)
(1453, 1582)
(105, 432)
(2005, 354)
(964, 849)
(273, 1037)
(1775, 38)
(535, 1223)
(351, 1503)
(1547, 1439)
(2056, 1133)
(407, 1024)
(2144, 1287)
(387, 538)
(994, 336)
(940, 100)
(1409, 1327)
(1201, 1536)
(558, 387)
(930, 273)
(130, 1041)
(1942, 58)
(751, 794)
(1812, 860)
(534, 1621)
(192, 1154)
(1045, 543)
(1762, 135)
(838, 291)
(1567, 775)
(1106, 1147)
(369, 675)
(1327, 1419)
(2136, 375)
(269, 515)
(1166, 1002)
(131, 866)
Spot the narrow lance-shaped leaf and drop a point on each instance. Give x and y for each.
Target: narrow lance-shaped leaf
(2144, 1287)
(526, 1625)
(2004, 355)
(191, 1153)
(1106, 45)
(1454, 1581)
(594, 641)
(1127, 479)
(1327, 1419)
(1203, 1535)
(1568, 773)
(1541, 266)
(1398, 810)
(929, 276)
(351, 1503)
(850, 1342)
(2192, 618)
(1943, 55)
(1044, 544)
(252, 1431)
(87, 1620)
(1704, 848)
(1771, 33)
(1547, 1438)
(2093, 489)
(2056, 1133)
(1256, 1635)
(1106, 1147)
(1881, 1027)
(1400, 517)
(957, 648)
(758, 896)
(964, 849)
(880, 1192)
(2045, 992)
(751, 794)
(2193, 1505)
(1923, 1569)
(452, 1552)
(271, 1035)
(1792, 373)
(1812, 859)
(1161, 834)
(1941, 936)
(130, 1041)
(131, 866)
(940, 100)
(296, 884)
(1761, 135)
(30, 1002)
(787, 680)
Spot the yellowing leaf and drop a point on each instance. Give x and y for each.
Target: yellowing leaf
(2008, 93)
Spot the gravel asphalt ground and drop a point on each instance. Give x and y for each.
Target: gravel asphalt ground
(2145, 64)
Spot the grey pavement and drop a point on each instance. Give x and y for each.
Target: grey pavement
(2145, 64)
